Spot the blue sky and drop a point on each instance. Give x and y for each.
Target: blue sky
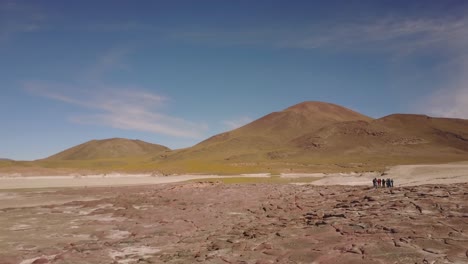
(177, 72)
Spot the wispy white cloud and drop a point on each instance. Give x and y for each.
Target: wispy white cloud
(394, 34)
(16, 18)
(127, 108)
(403, 37)
(238, 122)
(448, 103)
(119, 26)
(110, 61)
(451, 100)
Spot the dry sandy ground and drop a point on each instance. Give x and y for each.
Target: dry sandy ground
(92, 181)
(424, 219)
(404, 175)
(209, 222)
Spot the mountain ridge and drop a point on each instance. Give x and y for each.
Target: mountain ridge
(309, 136)
(322, 133)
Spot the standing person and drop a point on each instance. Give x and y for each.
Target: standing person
(391, 182)
(378, 182)
(374, 182)
(383, 183)
(388, 182)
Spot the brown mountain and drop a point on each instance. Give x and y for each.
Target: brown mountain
(404, 135)
(310, 136)
(108, 149)
(322, 136)
(269, 137)
(277, 128)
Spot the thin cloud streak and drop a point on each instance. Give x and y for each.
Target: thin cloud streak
(109, 61)
(123, 108)
(399, 37)
(126, 26)
(16, 18)
(449, 103)
(394, 34)
(451, 100)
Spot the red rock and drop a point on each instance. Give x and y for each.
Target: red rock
(228, 222)
(40, 261)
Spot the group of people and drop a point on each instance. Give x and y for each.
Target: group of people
(382, 182)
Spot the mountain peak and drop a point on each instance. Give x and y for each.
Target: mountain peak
(310, 104)
(327, 111)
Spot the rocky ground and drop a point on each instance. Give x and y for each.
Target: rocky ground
(209, 222)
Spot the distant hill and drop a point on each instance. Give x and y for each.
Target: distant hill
(5, 162)
(394, 135)
(307, 137)
(108, 149)
(317, 135)
(277, 128)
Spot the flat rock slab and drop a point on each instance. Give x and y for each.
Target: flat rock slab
(209, 222)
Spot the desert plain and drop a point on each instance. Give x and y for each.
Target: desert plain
(258, 218)
(233, 132)
(293, 186)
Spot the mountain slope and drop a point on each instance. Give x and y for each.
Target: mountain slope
(264, 138)
(107, 149)
(392, 135)
(310, 136)
(436, 132)
(320, 136)
(278, 127)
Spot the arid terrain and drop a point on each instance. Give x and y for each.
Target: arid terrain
(298, 190)
(308, 137)
(207, 221)
(234, 132)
